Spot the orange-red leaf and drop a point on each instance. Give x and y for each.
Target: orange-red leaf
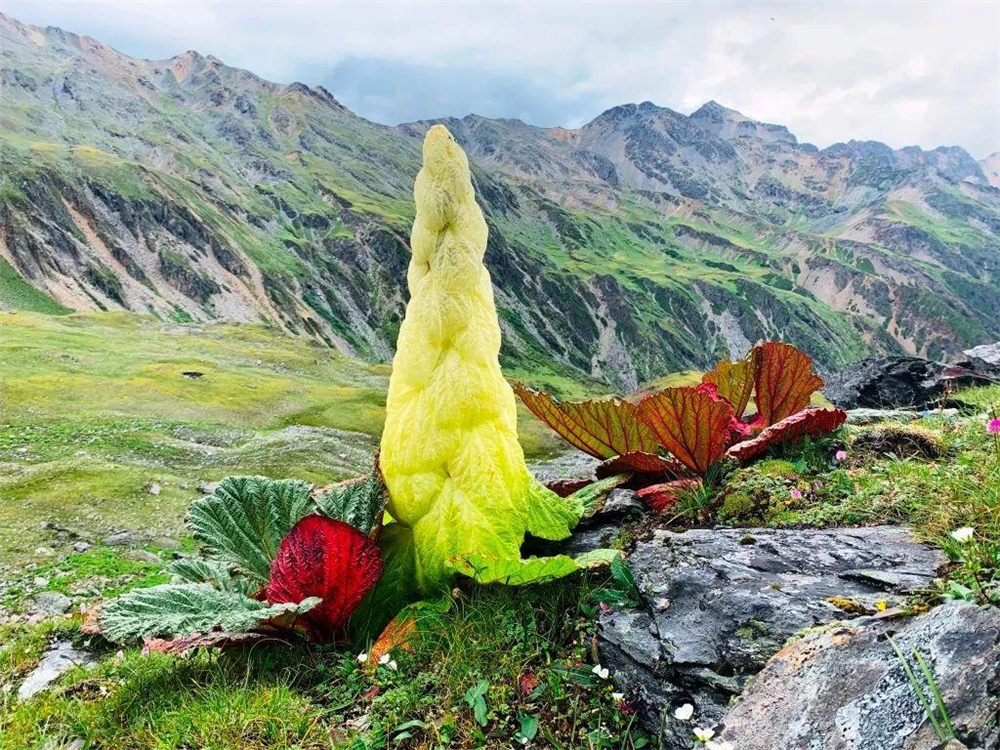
(734, 381)
(659, 497)
(398, 634)
(812, 422)
(603, 427)
(689, 423)
(785, 381)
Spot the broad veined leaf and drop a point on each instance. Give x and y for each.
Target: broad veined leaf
(811, 422)
(486, 569)
(785, 381)
(689, 423)
(245, 519)
(603, 427)
(734, 381)
(175, 609)
(397, 587)
(661, 496)
(329, 559)
(593, 497)
(215, 572)
(359, 503)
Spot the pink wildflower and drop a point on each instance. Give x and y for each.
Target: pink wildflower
(796, 494)
(840, 456)
(993, 426)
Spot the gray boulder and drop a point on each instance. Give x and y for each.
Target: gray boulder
(51, 603)
(718, 603)
(845, 688)
(896, 382)
(983, 359)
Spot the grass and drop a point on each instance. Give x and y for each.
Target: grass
(96, 410)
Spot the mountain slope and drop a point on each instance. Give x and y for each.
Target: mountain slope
(644, 242)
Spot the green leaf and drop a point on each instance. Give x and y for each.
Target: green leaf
(214, 572)
(519, 572)
(359, 503)
(475, 697)
(245, 519)
(181, 609)
(395, 589)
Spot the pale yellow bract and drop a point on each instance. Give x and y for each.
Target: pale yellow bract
(450, 456)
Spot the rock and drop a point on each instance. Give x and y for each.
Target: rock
(51, 603)
(718, 603)
(166, 542)
(601, 530)
(207, 488)
(81, 546)
(58, 659)
(120, 539)
(863, 417)
(895, 382)
(155, 489)
(984, 360)
(571, 465)
(846, 688)
(144, 556)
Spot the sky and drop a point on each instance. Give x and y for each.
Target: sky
(905, 73)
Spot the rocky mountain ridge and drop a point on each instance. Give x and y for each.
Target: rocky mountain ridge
(644, 242)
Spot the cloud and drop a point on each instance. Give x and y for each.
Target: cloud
(905, 73)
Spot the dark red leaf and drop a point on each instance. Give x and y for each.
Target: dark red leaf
(603, 427)
(690, 424)
(734, 381)
(812, 422)
(527, 683)
(639, 463)
(785, 381)
(329, 559)
(659, 497)
(566, 487)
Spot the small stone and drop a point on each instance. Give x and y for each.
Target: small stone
(207, 488)
(120, 539)
(81, 546)
(155, 489)
(40, 582)
(44, 551)
(144, 556)
(51, 603)
(166, 542)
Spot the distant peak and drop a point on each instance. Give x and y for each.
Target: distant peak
(715, 112)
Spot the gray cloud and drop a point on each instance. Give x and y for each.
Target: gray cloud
(905, 73)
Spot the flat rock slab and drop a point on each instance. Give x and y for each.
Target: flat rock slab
(59, 658)
(845, 688)
(718, 603)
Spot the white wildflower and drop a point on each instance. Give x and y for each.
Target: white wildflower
(963, 534)
(685, 712)
(362, 657)
(703, 735)
(602, 672)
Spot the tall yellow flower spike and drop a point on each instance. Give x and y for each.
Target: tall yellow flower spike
(450, 456)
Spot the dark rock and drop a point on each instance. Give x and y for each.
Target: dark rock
(846, 688)
(603, 529)
(896, 382)
(718, 603)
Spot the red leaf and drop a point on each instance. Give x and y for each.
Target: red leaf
(566, 487)
(690, 424)
(639, 463)
(659, 497)
(329, 559)
(812, 422)
(734, 381)
(603, 427)
(527, 683)
(785, 381)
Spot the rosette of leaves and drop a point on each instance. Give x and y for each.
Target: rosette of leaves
(674, 438)
(276, 558)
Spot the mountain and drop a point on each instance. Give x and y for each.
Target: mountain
(644, 242)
